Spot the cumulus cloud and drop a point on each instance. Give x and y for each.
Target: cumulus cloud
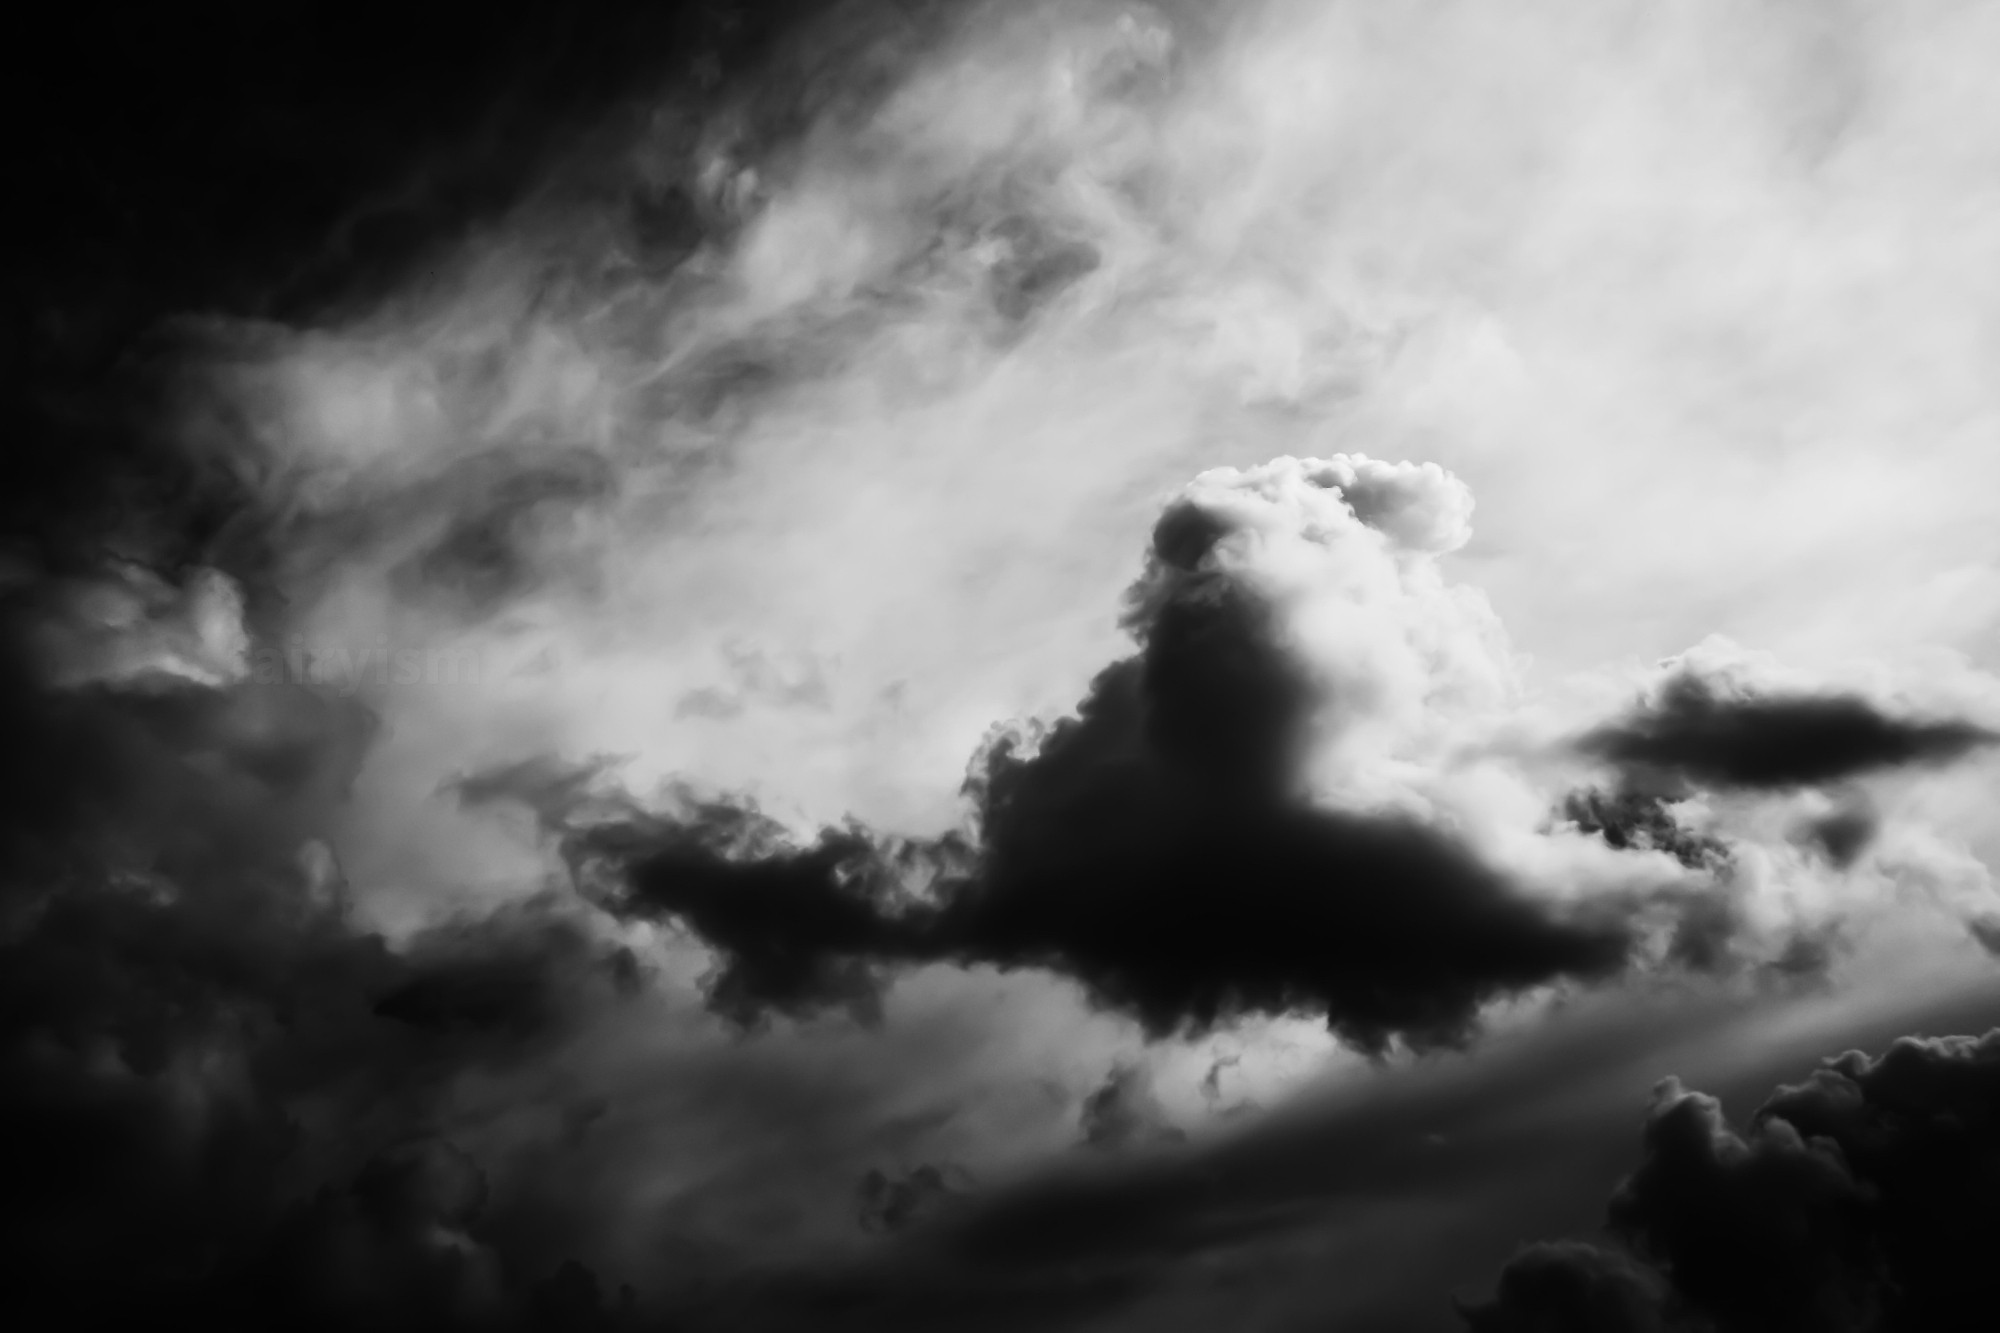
(1165, 845)
(1861, 1198)
(1262, 810)
(1570, 1287)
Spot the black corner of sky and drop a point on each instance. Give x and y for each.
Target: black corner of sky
(204, 154)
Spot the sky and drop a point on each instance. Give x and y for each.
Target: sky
(1021, 665)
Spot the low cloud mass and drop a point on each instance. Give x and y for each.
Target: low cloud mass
(1858, 1199)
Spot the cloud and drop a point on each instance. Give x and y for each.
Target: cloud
(223, 1096)
(1361, 1203)
(503, 523)
(1843, 834)
(895, 1202)
(755, 679)
(871, 345)
(1123, 1112)
(1716, 727)
(1164, 845)
(1861, 1198)
(1636, 821)
(1266, 809)
(1569, 1287)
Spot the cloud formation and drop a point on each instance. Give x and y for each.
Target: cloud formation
(1255, 812)
(224, 1098)
(867, 348)
(1164, 845)
(1860, 1199)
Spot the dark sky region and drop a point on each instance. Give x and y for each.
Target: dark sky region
(744, 666)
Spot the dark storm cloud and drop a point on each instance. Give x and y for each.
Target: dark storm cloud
(1570, 1287)
(398, 1249)
(1714, 733)
(798, 929)
(221, 1098)
(506, 973)
(1383, 1203)
(229, 170)
(225, 1101)
(1153, 848)
(1158, 846)
(1862, 1198)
